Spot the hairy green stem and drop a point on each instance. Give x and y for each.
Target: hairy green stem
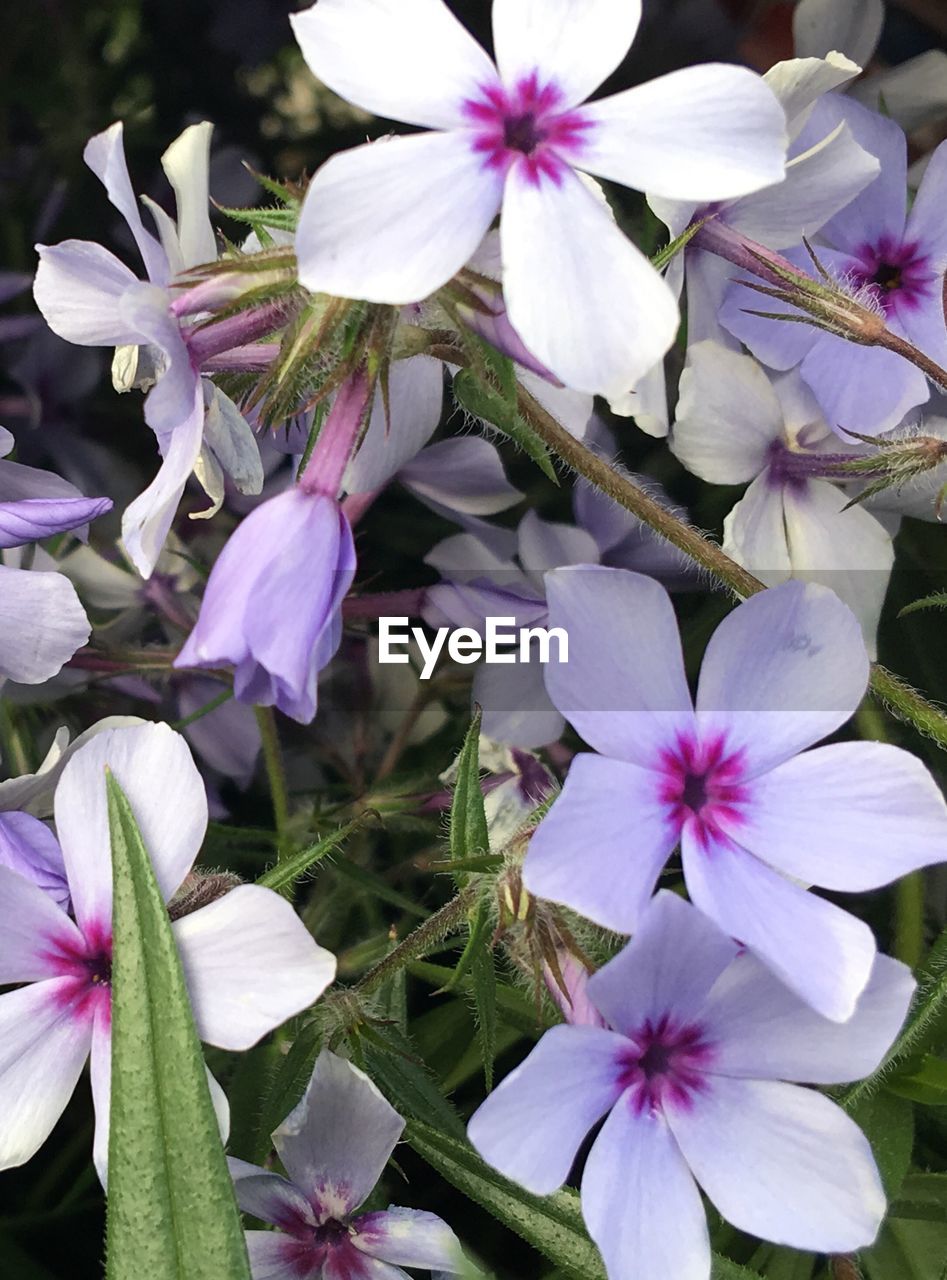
(276, 776)
(421, 941)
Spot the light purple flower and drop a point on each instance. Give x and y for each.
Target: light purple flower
(395, 220)
(271, 609)
(89, 297)
(229, 949)
(689, 1075)
(734, 424)
(755, 819)
(335, 1146)
(892, 258)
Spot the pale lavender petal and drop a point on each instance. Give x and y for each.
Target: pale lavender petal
(673, 960)
(339, 1138)
(851, 26)
(881, 207)
(851, 816)
(42, 626)
(516, 706)
(408, 1238)
(277, 1257)
(36, 932)
(150, 763)
(864, 389)
(639, 1201)
(78, 286)
(544, 545)
(36, 518)
(623, 688)
(762, 1031)
(230, 951)
(398, 430)
(354, 1265)
(270, 1197)
(227, 738)
(105, 156)
(44, 1043)
(28, 847)
(784, 669)
(464, 474)
(783, 1163)
(818, 950)
(532, 1125)
(780, 344)
(603, 843)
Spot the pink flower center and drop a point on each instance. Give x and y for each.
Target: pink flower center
(703, 788)
(898, 273)
(528, 126)
(667, 1064)
(89, 968)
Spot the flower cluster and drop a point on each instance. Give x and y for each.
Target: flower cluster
(745, 266)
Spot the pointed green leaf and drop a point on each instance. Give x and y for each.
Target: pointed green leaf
(936, 601)
(468, 820)
(287, 872)
(171, 1210)
(489, 404)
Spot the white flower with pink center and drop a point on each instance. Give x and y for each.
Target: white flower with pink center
(229, 949)
(393, 221)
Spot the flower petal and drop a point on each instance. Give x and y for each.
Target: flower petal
(864, 389)
(754, 533)
(270, 1197)
(641, 1233)
(881, 208)
(674, 959)
(105, 156)
(274, 1256)
(231, 948)
(914, 92)
(818, 950)
(763, 1031)
(516, 706)
(603, 843)
(42, 625)
(784, 669)
(710, 132)
(571, 44)
(38, 518)
(399, 430)
(187, 166)
(413, 62)
(150, 763)
(100, 1076)
(77, 288)
(43, 1047)
(36, 929)
(393, 220)
(463, 474)
(800, 82)
(851, 26)
(586, 301)
(926, 221)
(624, 687)
(851, 816)
(28, 847)
(532, 1125)
(339, 1138)
(783, 1163)
(408, 1238)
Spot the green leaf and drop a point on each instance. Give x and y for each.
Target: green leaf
(664, 256)
(925, 1082)
(263, 219)
(468, 820)
(923, 1198)
(552, 1224)
(888, 1124)
(483, 979)
(392, 1061)
(287, 1086)
(171, 1210)
(287, 872)
(936, 601)
(489, 404)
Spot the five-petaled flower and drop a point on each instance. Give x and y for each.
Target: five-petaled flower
(688, 1068)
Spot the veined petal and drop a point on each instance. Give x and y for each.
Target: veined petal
(77, 287)
(339, 1138)
(274, 1256)
(880, 209)
(35, 930)
(408, 1238)
(864, 389)
(572, 44)
(33, 519)
(820, 952)
(413, 62)
(187, 165)
(783, 1163)
(852, 26)
(532, 1125)
(851, 816)
(42, 626)
(28, 847)
(926, 220)
(393, 220)
(798, 83)
(584, 299)
(728, 415)
(601, 847)
(105, 156)
(784, 669)
(230, 950)
(754, 533)
(675, 957)
(270, 1197)
(43, 1048)
(150, 763)
(463, 474)
(624, 687)
(638, 1232)
(762, 1031)
(710, 132)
